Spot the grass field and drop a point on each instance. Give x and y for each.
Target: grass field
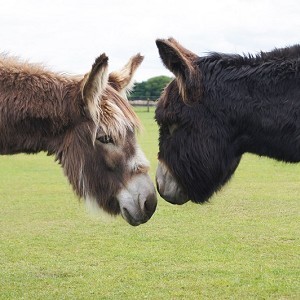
(244, 244)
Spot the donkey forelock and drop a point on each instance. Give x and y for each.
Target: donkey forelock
(117, 116)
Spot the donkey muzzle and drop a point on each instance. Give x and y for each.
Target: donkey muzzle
(168, 187)
(138, 200)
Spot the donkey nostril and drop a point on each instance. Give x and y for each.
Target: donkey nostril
(150, 205)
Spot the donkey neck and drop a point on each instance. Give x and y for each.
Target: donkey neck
(36, 107)
(263, 107)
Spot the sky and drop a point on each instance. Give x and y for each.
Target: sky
(67, 35)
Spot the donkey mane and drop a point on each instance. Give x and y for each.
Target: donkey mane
(16, 65)
(277, 65)
(238, 60)
(34, 82)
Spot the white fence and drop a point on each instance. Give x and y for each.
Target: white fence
(146, 103)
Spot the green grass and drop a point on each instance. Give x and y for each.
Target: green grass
(244, 244)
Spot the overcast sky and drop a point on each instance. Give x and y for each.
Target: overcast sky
(67, 35)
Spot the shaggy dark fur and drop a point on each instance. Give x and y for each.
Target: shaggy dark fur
(249, 104)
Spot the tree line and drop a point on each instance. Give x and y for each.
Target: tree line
(150, 89)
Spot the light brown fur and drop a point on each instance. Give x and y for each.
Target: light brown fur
(68, 116)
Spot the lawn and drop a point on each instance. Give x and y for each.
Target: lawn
(244, 244)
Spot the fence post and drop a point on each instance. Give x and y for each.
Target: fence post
(148, 106)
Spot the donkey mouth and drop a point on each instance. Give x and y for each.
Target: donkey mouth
(178, 198)
(131, 219)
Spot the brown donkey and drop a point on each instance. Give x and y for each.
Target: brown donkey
(88, 124)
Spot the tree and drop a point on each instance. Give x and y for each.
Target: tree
(150, 89)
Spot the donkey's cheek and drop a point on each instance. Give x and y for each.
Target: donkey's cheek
(138, 163)
(112, 156)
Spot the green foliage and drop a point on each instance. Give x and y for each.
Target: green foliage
(150, 89)
(244, 244)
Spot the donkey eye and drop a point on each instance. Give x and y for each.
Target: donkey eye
(105, 139)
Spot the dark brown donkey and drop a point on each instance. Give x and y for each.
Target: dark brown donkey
(88, 124)
(219, 107)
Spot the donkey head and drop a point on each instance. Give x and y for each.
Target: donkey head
(100, 155)
(195, 158)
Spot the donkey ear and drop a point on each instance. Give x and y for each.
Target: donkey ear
(182, 63)
(93, 86)
(122, 80)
